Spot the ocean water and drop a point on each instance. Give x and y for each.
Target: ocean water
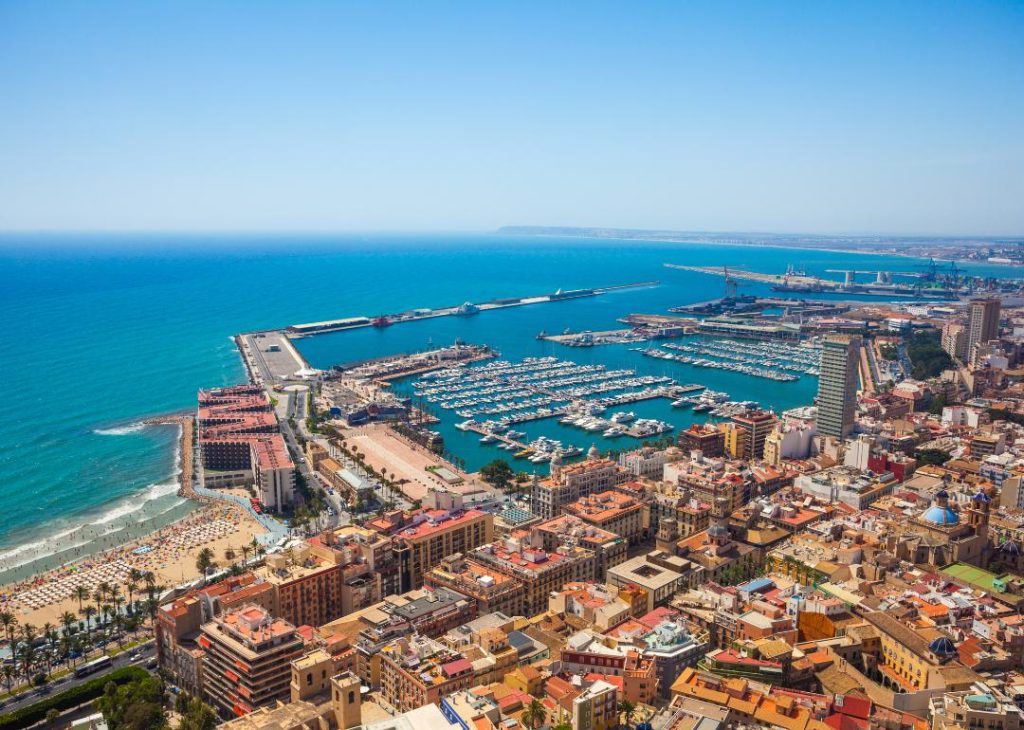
(98, 332)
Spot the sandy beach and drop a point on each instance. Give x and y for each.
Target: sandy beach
(170, 553)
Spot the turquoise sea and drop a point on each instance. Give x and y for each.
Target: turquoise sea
(101, 331)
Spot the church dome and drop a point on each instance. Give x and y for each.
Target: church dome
(942, 494)
(942, 646)
(981, 497)
(941, 516)
(592, 452)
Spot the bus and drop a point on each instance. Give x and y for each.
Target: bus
(104, 662)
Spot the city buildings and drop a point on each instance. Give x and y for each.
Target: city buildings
(424, 537)
(751, 430)
(239, 445)
(248, 655)
(417, 671)
(539, 571)
(568, 483)
(954, 340)
(837, 385)
(983, 322)
(613, 512)
(704, 438)
(492, 590)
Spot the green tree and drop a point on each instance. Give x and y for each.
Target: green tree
(931, 456)
(626, 710)
(497, 473)
(937, 404)
(204, 561)
(135, 705)
(534, 715)
(198, 716)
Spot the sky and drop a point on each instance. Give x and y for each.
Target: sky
(828, 117)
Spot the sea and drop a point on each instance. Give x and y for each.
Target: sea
(102, 331)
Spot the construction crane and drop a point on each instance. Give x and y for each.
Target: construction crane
(731, 284)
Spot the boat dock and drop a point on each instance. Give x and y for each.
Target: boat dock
(791, 281)
(464, 310)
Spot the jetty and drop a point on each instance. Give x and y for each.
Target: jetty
(465, 309)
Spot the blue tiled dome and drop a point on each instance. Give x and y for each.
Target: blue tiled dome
(942, 646)
(981, 497)
(942, 494)
(941, 516)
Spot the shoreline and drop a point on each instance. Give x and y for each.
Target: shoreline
(99, 543)
(787, 246)
(167, 548)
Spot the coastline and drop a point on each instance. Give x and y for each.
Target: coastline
(759, 246)
(38, 591)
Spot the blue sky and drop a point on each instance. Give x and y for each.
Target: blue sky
(762, 116)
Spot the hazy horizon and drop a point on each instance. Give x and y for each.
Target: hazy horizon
(892, 119)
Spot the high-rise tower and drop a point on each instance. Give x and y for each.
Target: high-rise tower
(837, 385)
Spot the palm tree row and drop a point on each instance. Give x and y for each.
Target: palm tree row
(35, 652)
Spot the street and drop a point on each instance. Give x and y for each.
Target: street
(145, 653)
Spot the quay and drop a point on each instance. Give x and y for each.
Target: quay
(799, 282)
(465, 309)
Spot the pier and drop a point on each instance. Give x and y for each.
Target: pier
(464, 310)
(800, 282)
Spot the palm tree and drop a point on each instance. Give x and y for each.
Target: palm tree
(67, 620)
(9, 675)
(9, 622)
(534, 715)
(50, 633)
(131, 586)
(118, 625)
(89, 611)
(245, 554)
(204, 561)
(28, 651)
(626, 710)
(149, 578)
(82, 594)
(98, 598)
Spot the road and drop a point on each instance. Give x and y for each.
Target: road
(145, 652)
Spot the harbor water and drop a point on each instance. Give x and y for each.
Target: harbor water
(101, 331)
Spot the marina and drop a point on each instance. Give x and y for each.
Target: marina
(781, 362)
(499, 395)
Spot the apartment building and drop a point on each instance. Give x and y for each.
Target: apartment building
(368, 564)
(417, 671)
(568, 483)
(239, 444)
(424, 537)
(492, 590)
(704, 438)
(307, 587)
(613, 512)
(248, 659)
(609, 548)
(539, 571)
(754, 427)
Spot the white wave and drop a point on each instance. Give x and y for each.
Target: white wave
(35, 546)
(136, 502)
(120, 430)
